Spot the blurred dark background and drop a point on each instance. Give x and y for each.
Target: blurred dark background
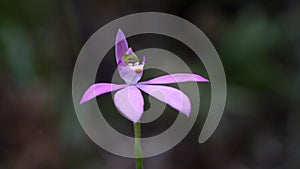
(258, 43)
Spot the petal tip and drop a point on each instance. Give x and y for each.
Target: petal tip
(188, 109)
(200, 78)
(187, 113)
(86, 97)
(120, 35)
(83, 99)
(134, 121)
(129, 51)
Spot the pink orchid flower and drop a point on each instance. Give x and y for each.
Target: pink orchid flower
(128, 98)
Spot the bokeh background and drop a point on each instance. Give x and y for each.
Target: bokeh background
(258, 43)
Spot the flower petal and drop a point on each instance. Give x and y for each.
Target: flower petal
(99, 89)
(144, 60)
(130, 103)
(176, 78)
(129, 75)
(121, 46)
(173, 97)
(129, 51)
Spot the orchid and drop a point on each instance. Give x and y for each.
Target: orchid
(128, 98)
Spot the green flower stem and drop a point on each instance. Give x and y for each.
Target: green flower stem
(137, 146)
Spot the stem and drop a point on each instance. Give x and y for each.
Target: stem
(137, 145)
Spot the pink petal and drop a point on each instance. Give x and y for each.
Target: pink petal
(173, 97)
(130, 103)
(121, 46)
(99, 89)
(176, 78)
(129, 51)
(144, 60)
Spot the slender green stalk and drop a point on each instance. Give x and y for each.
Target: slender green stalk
(137, 145)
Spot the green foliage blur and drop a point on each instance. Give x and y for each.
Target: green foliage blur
(258, 43)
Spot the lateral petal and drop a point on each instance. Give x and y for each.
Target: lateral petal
(176, 78)
(99, 89)
(173, 97)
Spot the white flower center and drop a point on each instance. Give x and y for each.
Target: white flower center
(137, 67)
